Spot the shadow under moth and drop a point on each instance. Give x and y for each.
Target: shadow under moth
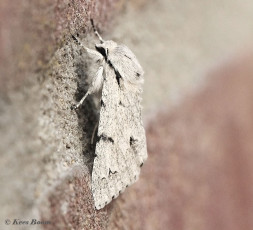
(121, 146)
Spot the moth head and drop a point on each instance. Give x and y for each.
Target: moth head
(106, 47)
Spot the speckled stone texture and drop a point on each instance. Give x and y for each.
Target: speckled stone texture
(199, 171)
(31, 31)
(44, 72)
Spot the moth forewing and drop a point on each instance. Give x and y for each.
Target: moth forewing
(121, 146)
(121, 142)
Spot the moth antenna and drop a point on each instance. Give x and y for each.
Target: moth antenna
(96, 32)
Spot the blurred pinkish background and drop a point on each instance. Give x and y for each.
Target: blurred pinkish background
(198, 109)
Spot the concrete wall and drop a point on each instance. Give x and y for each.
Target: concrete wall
(197, 110)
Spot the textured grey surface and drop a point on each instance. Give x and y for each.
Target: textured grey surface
(42, 139)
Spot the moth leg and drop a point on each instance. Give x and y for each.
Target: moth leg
(96, 85)
(80, 102)
(93, 133)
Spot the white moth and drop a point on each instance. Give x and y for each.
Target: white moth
(121, 146)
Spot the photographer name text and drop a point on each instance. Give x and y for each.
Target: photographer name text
(26, 222)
